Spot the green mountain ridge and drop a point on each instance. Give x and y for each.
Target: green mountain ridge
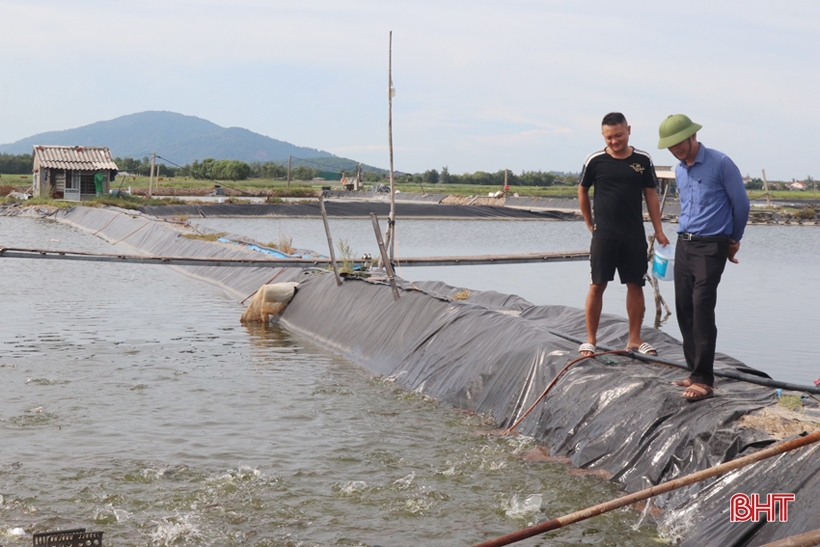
(181, 139)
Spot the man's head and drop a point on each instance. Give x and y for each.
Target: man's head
(616, 133)
(678, 133)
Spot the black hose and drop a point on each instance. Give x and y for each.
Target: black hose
(768, 382)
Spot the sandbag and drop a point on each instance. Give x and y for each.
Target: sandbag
(269, 300)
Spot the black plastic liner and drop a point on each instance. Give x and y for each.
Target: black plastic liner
(495, 353)
(372, 193)
(352, 209)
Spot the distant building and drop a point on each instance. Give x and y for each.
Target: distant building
(73, 173)
(797, 186)
(665, 172)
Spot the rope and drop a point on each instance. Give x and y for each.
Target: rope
(265, 283)
(106, 224)
(134, 232)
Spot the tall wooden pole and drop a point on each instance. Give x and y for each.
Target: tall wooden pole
(289, 160)
(391, 221)
(151, 176)
(766, 191)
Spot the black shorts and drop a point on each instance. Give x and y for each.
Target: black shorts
(628, 256)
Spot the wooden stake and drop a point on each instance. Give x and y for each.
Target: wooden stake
(151, 176)
(388, 267)
(329, 241)
(766, 191)
(659, 301)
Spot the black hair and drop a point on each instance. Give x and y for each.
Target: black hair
(614, 118)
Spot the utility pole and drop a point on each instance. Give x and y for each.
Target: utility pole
(359, 177)
(766, 191)
(151, 176)
(289, 160)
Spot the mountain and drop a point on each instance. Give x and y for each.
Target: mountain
(182, 139)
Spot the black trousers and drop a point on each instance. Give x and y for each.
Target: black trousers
(698, 268)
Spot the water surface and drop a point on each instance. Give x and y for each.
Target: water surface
(134, 403)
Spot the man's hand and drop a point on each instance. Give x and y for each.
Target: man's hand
(734, 247)
(661, 238)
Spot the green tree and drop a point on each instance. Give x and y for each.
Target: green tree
(303, 172)
(444, 178)
(431, 176)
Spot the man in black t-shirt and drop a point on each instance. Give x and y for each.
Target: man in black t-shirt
(622, 177)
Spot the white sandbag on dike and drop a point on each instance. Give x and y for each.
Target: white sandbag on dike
(269, 300)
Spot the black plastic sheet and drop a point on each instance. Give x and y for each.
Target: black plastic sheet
(351, 209)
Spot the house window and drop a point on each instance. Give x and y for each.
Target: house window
(87, 183)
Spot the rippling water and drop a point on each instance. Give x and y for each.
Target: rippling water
(767, 311)
(135, 404)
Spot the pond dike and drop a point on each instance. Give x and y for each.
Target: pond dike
(495, 353)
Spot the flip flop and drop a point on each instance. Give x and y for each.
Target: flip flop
(686, 382)
(644, 349)
(698, 392)
(586, 347)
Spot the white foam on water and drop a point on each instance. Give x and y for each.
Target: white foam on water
(405, 482)
(516, 509)
(180, 529)
(14, 532)
(353, 487)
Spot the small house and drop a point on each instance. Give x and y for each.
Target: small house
(73, 173)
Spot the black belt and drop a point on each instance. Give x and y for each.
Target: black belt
(686, 236)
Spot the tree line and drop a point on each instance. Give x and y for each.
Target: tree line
(525, 178)
(234, 170)
(11, 164)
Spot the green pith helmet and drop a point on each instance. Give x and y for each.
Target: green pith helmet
(675, 129)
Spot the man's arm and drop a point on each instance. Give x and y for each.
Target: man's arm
(654, 209)
(739, 201)
(586, 207)
(738, 198)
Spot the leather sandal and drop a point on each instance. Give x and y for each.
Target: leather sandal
(698, 392)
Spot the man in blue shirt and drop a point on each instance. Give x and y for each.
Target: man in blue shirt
(714, 212)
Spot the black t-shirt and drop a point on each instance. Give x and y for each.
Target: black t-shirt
(619, 186)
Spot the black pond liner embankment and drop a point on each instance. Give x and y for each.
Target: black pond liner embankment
(495, 354)
(353, 209)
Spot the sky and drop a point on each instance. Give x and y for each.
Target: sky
(480, 85)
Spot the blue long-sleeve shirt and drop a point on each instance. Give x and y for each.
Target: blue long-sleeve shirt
(712, 196)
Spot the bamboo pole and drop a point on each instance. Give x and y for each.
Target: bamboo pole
(647, 493)
(14, 252)
(388, 267)
(809, 539)
(329, 241)
(391, 220)
(659, 300)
